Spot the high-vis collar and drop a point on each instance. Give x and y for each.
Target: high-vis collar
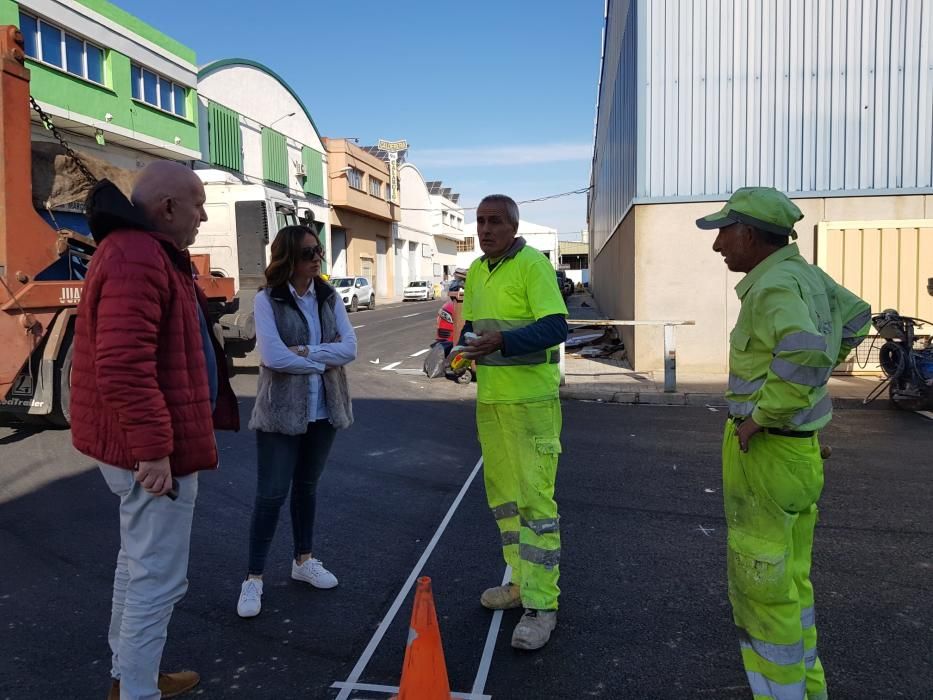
(778, 256)
(517, 245)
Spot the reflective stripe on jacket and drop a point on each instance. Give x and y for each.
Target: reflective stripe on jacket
(520, 289)
(796, 324)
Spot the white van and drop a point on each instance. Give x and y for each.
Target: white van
(242, 219)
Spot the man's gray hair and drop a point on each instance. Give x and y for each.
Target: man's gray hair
(511, 208)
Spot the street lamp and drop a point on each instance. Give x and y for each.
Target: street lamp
(284, 116)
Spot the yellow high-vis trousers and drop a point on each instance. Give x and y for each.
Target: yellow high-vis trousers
(521, 445)
(770, 495)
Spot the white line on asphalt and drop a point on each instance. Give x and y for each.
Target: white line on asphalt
(420, 352)
(357, 671)
(391, 365)
(393, 689)
(417, 314)
(926, 414)
(360, 326)
(482, 673)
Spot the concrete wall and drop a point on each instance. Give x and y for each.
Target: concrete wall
(659, 266)
(362, 232)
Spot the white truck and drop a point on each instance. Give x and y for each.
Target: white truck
(242, 219)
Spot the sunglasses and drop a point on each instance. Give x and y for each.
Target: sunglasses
(308, 254)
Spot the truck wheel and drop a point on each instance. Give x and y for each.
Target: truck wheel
(466, 377)
(354, 305)
(372, 302)
(61, 411)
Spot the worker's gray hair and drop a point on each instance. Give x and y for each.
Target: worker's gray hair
(511, 208)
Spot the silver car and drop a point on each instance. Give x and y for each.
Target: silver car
(355, 292)
(419, 289)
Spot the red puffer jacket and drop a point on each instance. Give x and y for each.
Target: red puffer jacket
(139, 376)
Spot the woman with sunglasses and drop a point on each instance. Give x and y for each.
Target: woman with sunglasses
(305, 338)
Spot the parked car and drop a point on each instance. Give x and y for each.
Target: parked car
(565, 283)
(455, 288)
(445, 322)
(419, 289)
(355, 292)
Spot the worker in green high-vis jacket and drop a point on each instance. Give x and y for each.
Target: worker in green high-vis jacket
(795, 325)
(516, 316)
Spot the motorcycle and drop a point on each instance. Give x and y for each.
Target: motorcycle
(907, 361)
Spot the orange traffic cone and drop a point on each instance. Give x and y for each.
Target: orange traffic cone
(424, 673)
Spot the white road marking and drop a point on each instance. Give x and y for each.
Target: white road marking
(409, 371)
(347, 687)
(362, 325)
(482, 673)
(706, 530)
(420, 352)
(926, 414)
(391, 365)
(417, 314)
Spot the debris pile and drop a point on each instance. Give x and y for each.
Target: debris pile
(595, 342)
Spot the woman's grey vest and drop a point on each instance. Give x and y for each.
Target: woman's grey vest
(282, 399)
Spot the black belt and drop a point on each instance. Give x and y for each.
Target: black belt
(777, 431)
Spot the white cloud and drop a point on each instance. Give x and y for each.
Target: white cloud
(501, 155)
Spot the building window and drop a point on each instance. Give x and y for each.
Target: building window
(225, 138)
(388, 193)
(375, 187)
(355, 178)
(157, 91)
(274, 157)
(466, 245)
(314, 171)
(443, 217)
(52, 45)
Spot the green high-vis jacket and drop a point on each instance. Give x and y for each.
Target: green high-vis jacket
(795, 326)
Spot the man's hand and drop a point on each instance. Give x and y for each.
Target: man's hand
(484, 344)
(155, 476)
(746, 429)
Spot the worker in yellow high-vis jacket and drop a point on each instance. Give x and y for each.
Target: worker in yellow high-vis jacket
(515, 310)
(795, 325)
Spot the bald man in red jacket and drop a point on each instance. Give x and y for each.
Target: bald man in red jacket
(149, 387)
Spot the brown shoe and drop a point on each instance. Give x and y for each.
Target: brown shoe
(170, 684)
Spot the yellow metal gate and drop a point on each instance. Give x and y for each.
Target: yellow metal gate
(887, 263)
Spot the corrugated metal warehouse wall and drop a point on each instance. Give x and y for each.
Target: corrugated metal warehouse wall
(616, 132)
(803, 95)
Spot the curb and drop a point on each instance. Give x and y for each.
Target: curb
(610, 394)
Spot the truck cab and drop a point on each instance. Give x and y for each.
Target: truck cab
(242, 220)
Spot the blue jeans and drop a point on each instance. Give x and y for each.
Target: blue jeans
(283, 461)
(151, 576)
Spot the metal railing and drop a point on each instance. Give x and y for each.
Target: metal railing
(670, 345)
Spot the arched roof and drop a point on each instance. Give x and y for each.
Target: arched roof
(214, 66)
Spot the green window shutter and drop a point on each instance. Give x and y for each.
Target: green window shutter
(274, 157)
(225, 137)
(314, 171)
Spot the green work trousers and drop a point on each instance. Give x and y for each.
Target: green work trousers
(521, 445)
(770, 495)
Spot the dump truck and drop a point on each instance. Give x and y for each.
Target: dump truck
(44, 257)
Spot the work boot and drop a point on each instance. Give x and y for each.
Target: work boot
(534, 629)
(502, 597)
(171, 685)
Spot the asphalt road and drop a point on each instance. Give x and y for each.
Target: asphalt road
(644, 610)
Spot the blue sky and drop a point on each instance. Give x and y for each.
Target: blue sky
(491, 96)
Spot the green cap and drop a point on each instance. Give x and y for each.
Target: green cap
(762, 207)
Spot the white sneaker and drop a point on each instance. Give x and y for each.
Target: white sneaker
(250, 602)
(313, 572)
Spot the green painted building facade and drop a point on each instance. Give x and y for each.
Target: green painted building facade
(117, 85)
